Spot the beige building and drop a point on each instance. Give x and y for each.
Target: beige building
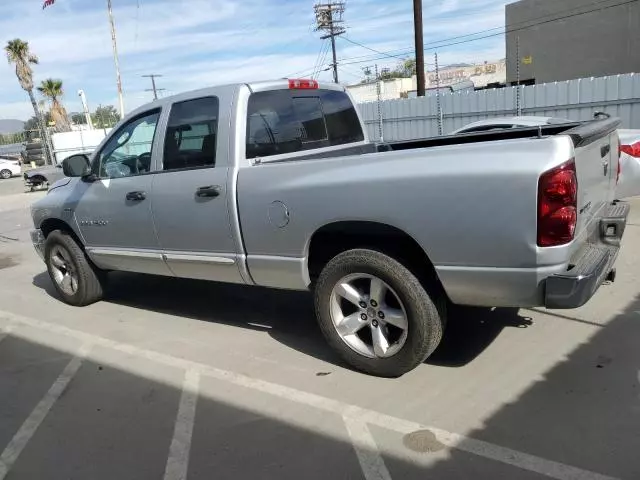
(482, 75)
(487, 74)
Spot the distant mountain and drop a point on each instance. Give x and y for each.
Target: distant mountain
(11, 126)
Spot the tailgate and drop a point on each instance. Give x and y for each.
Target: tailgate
(596, 151)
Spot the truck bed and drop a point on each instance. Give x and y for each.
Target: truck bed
(580, 133)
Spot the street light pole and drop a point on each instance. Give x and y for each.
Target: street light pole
(115, 58)
(85, 109)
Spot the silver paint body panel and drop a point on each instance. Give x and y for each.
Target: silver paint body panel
(472, 208)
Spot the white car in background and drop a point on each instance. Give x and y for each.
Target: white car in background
(629, 174)
(9, 168)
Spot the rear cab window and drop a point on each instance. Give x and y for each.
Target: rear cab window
(289, 121)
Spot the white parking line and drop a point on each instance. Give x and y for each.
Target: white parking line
(178, 462)
(366, 449)
(31, 424)
(518, 459)
(508, 456)
(6, 331)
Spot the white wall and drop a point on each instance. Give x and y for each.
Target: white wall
(66, 144)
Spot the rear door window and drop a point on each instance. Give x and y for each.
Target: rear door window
(288, 121)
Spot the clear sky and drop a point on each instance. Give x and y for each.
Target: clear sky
(196, 43)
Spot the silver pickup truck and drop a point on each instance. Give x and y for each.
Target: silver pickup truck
(276, 184)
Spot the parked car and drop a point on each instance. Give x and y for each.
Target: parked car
(629, 164)
(43, 177)
(9, 168)
(276, 184)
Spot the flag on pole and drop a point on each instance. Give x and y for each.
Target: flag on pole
(48, 3)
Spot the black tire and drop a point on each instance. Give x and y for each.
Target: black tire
(35, 151)
(34, 157)
(5, 174)
(33, 146)
(38, 181)
(425, 312)
(89, 278)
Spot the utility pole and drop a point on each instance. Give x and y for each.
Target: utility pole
(153, 88)
(417, 26)
(115, 58)
(329, 20)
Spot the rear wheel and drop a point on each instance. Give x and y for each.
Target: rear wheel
(376, 314)
(76, 280)
(5, 174)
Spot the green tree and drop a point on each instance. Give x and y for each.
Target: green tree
(52, 90)
(78, 119)
(404, 69)
(18, 54)
(105, 116)
(31, 124)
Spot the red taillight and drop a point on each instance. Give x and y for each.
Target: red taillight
(557, 205)
(303, 84)
(633, 150)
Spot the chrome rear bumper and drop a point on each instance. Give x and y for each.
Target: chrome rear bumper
(575, 287)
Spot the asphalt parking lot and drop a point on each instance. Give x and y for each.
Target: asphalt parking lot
(170, 379)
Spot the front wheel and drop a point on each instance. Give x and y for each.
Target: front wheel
(376, 314)
(5, 174)
(76, 280)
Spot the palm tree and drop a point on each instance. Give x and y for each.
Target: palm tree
(19, 55)
(52, 89)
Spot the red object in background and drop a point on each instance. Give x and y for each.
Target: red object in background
(48, 3)
(632, 150)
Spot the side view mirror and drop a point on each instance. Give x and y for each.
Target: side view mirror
(76, 166)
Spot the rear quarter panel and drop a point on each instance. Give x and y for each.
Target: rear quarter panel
(466, 205)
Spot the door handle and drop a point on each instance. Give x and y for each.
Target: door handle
(136, 196)
(208, 191)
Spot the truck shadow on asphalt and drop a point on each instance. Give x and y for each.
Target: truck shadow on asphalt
(288, 316)
(583, 411)
(116, 417)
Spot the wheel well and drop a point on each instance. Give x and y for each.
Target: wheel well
(339, 237)
(51, 224)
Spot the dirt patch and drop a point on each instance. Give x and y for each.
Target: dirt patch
(423, 441)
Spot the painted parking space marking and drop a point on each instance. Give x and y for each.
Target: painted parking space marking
(532, 463)
(33, 421)
(6, 330)
(364, 444)
(178, 461)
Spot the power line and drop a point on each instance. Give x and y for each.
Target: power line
(373, 49)
(439, 43)
(434, 45)
(507, 29)
(322, 57)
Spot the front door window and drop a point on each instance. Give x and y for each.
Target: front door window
(128, 152)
